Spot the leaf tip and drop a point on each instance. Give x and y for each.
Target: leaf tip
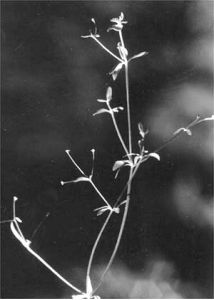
(155, 155)
(18, 219)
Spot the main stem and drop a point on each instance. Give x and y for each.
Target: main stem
(96, 243)
(129, 184)
(128, 107)
(120, 232)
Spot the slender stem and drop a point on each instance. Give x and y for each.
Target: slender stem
(120, 232)
(96, 243)
(106, 49)
(119, 135)
(128, 107)
(14, 217)
(118, 131)
(53, 270)
(127, 94)
(89, 178)
(98, 192)
(73, 161)
(19, 235)
(173, 137)
(5, 221)
(129, 183)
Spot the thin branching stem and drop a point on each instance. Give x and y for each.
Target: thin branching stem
(96, 243)
(89, 178)
(74, 162)
(127, 94)
(129, 183)
(120, 232)
(106, 49)
(5, 221)
(99, 193)
(19, 235)
(128, 107)
(178, 133)
(118, 131)
(53, 270)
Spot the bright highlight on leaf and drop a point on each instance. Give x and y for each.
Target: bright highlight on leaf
(118, 164)
(139, 55)
(18, 219)
(188, 131)
(116, 70)
(102, 111)
(109, 94)
(155, 155)
(102, 209)
(118, 26)
(79, 179)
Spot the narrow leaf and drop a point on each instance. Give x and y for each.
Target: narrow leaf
(141, 131)
(136, 159)
(80, 179)
(18, 220)
(114, 20)
(101, 111)
(117, 109)
(114, 73)
(188, 131)
(101, 211)
(155, 155)
(209, 118)
(101, 208)
(101, 100)
(121, 17)
(139, 55)
(119, 163)
(115, 27)
(86, 36)
(109, 94)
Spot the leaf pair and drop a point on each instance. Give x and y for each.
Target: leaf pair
(108, 110)
(91, 35)
(105, 208)
(118, 26)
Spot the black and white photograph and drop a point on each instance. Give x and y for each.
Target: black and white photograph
(107, 117)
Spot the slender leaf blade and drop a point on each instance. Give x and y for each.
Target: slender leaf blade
(101, 111)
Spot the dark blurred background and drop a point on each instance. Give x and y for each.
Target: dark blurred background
(51, 79)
